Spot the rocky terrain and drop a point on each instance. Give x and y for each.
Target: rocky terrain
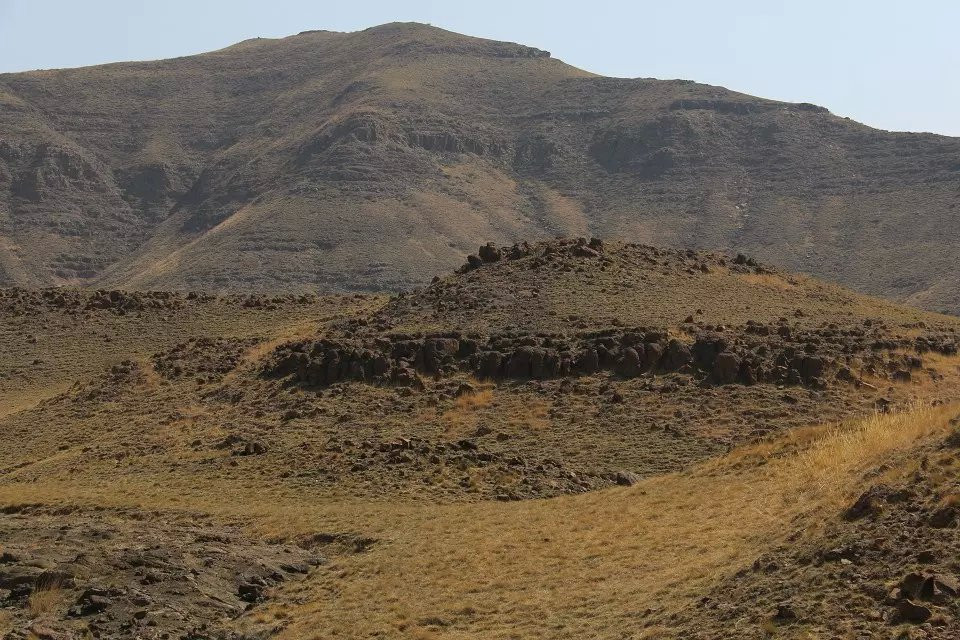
(174, 579)
(887, 562)
(371, 160)
(53, 338)
(667, 443)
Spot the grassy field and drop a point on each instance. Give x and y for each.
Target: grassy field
(604, 564)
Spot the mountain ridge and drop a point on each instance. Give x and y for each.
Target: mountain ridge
(372, 160)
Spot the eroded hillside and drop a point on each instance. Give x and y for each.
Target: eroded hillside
(370, 160)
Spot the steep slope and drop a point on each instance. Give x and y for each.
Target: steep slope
(370, 160)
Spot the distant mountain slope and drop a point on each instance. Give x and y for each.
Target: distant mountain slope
(373, 160)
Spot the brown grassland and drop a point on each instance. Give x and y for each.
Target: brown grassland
(600, 505)
(597, 564)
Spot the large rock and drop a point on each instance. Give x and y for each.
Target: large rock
(653, 355)
(490, 365)
(629, 364)
(809, 367)
(588, 362)
(678, 355)
(726, 368)
(870, 502)
(489, 252)
(909, 611)
(705, 351)
(520, 362)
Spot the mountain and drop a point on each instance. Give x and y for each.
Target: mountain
(560, 439)
(372, 160)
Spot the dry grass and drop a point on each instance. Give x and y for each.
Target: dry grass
(72, 349)
(532, 416)
(15, 401)
(585, 566)
(474, 401)
(45, 599)
(773, 280)
(462, 418)
(941, 363)
(572, 567)
(6, 621)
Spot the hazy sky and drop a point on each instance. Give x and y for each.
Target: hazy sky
(893, 65)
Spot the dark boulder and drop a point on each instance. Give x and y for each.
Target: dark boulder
(489, 252)
(407, 377)
(653, 354)
(677, 356)
(520, 362)
(726, 368)
(490, 365)
(705, 351)
(870, 502)
(584, 251)
(909, 611)
(587, 362)
(380, 366)
(944, 517)
(629, 364)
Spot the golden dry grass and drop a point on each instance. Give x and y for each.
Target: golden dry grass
(45, 599)
(462, 418)
(572, 567)
(473, 401)
(773, 280)
(18, 400)
(72, 349)
(6, 621)
(942, 363)
(587, 566)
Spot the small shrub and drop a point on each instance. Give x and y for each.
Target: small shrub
(44, 599)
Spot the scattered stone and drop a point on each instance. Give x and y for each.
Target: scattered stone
(870, 502)
(908, 611)
(944, 517)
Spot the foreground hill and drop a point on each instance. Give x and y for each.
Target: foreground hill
(370, 160)
(549, 442)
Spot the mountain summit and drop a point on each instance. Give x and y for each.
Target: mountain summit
(373, 160)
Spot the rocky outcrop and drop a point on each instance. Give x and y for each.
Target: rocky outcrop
(489, 252)
(29, 302)
(751, 355)
(742, 107)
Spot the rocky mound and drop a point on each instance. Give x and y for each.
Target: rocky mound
(575, 284)
(502, 320)
(747, 355)
(542, 370)
(171, 580)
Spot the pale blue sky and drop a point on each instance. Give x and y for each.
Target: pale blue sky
(893, 65)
